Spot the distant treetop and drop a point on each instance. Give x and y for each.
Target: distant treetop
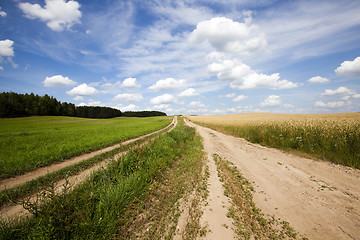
(23, 105)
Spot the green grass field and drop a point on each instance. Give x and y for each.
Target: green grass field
(32, 142)
(146, 182)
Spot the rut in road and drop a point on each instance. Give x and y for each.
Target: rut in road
(15, 211)
(319, 199)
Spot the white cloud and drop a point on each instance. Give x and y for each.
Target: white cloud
(197, 104)
(58, 81)
(318, 79)
(331, 104)
(229, 36)
(271, 101)
(239, 98)
(229, 69)
(188, 93)
(338, 91)
(161, 106)
(6, 48)
(58, 14)
(163, 99)
(129, 97)
(356, 95)
(79, 98)
(256, 80)
(1, 68)
(242, 76)
(94, 103)
(130, 107)
(230, 95)
(349, 68)
(286, 105)
(130, 83)
(82, 90)
(2, 13)
(167, 84)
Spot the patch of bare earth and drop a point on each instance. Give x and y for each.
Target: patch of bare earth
(319, 199)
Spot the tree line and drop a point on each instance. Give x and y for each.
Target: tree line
(23, 105)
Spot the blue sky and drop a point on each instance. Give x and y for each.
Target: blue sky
(185, 57)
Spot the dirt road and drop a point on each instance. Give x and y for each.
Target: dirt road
(319, 199)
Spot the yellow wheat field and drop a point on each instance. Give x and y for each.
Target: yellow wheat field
(334, 137)
(238, 119)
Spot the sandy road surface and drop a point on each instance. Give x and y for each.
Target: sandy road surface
(11, 212)
(319, 199)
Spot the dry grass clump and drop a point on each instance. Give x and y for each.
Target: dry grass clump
(333, 137)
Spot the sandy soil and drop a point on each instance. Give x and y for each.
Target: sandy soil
(320, 200)
(11, 212)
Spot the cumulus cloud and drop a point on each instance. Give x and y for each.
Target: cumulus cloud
(163, 99)
(167, 84)
(332, 104)
(230, 95)
(94, 103)
(82, 90)
(197, 104)
(130, 83)
(129, 97)
(318, 79)
(226, 35)
(130, 107)
(349, 68)
(6, 48)
(271, 101)
(2, 13)
(58, 14)
(58, 81)
(239, 98)
(338, 91)
(79, 98)
(188, 93)
(161, 106)
(256, 80)
(242, 76)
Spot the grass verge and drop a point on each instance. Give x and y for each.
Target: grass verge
(250, 223)
(146, 184)
(33, 142)
(13, 195)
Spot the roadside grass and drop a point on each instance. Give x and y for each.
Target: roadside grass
(32, 142)
(14, 195)
(143, 185)
(250, 223)
(331, 137)
(155, 215)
